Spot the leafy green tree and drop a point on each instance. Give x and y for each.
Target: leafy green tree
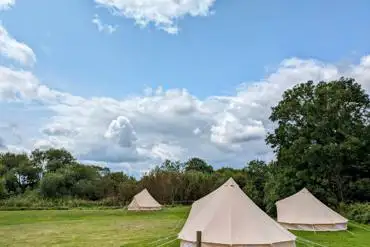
(52, 159)
(280, 183)
(197, 184)
(170, 166)
(256, 177)
(224, 173)
(127, 190)
(53, 185)
(19, 172)
(3, 191)
(197, 164)
(72, 180)
(37, 157)
(86, 189)
(322, 138)
(110, 184)
(12, 184)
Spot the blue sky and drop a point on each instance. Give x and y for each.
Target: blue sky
(234, 42)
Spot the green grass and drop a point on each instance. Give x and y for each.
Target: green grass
(358, 235)
(121, 228)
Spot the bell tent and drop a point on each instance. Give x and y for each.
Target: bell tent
(303, 211)
(143, 201)
(227, 217)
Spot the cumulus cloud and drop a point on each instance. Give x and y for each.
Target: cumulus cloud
(164, 151)
(121, 131)
(111, 154)
(21, 85)
(56, 129)
(361, 72)
(230, 130)
(143, 130)
(15, 50)
(164, 14)
(107, 28)
(6, 4)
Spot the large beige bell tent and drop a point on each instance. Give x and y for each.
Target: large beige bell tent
(227, 217)
(143, 201)
(303, 211)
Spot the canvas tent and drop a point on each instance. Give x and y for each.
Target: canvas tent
(227, 217)
(143, 201)
(303, 211)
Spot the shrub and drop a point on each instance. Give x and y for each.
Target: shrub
(32, 200)
(3, 192)
(359, 212)
(53, 185)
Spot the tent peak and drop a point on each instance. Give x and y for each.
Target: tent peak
(143, 191)
(230, 183)
(305, 190)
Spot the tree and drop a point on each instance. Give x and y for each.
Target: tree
(86, 189)
(37, 157)
(256, 173)
(197, 164)
(112, 182)
(127, 190)
(196, 185)
(3, 191)
(19, 172)
(53, 185)
(224, 173)
(52, 159)
(170, 166)
(322, 137)
(28, 174)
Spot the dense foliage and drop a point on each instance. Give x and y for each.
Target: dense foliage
(321, 142)
(359, 212)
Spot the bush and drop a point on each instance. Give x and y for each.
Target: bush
(33, 201)
(53, 185)
(3, 192)
(359, 212)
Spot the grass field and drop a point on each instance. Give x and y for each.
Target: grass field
(121, 228)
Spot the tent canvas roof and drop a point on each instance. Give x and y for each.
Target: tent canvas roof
(305, 208)
(145, 200)
(228, 216)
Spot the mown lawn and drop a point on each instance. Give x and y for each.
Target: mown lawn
(121, 228)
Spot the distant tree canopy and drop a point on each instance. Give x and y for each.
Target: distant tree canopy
(321, 142)
(199, 165)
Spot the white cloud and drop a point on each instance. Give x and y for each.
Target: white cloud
(165, 151)
(230, 130)
(103, 27)
(56, 129)
(6, 4)
(143, 130)
(164, 14)
(21, 85)
(15, 50)
(121, 131)
(361, 72)
(197, 131)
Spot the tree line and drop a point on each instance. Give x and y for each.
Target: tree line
(321, 142)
